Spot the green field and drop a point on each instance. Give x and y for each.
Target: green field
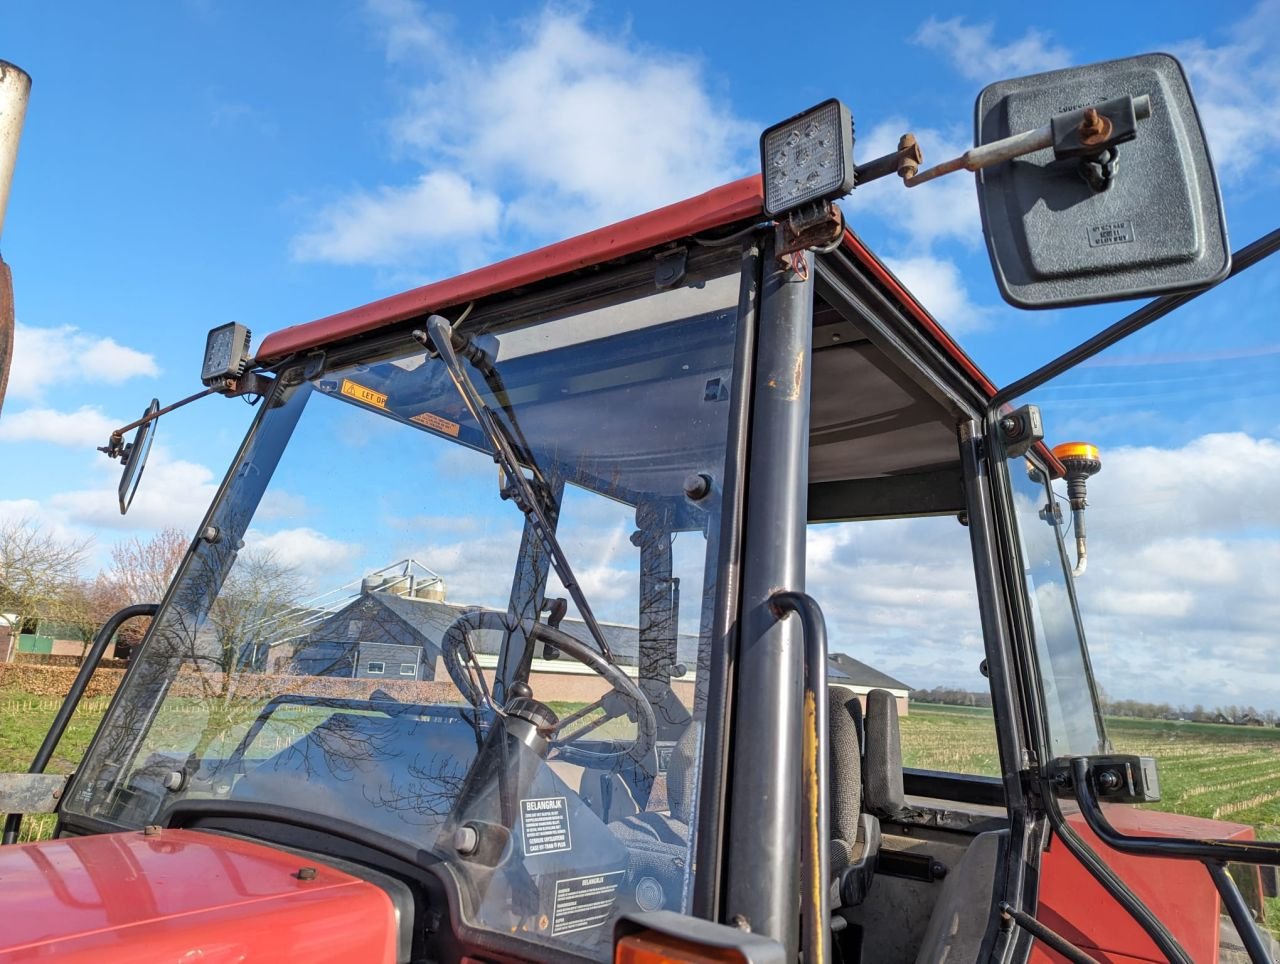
(1206, 770)
(1212, 770)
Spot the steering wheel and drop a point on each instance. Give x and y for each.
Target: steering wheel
(624, 698)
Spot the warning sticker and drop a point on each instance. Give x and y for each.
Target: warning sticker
(584, 902)
(545, 826)
(362, 394)
(436, 423)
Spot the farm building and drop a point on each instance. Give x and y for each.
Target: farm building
(393, 630)
(860, 679)
(384, 634)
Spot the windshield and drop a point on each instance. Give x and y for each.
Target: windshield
(356, 636)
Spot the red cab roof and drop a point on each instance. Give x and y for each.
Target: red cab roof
(730, 204)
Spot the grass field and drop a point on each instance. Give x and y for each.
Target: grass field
(1206, 770)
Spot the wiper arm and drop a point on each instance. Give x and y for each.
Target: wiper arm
(445, 342)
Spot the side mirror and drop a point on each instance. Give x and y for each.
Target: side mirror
(135, 455)
(1119, 205)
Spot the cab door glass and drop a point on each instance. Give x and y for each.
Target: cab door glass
(1179, 599)
(901, 607)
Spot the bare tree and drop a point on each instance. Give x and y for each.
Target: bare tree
(37, 569)
(141, 571)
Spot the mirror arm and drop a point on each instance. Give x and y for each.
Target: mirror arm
(115, 443)
(1090, 126)
(248, 384)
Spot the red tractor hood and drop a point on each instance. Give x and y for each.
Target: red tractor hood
(179, 895)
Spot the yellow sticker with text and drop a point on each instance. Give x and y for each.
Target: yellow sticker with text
(436, 423)
(362, 394)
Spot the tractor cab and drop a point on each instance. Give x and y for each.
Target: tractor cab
(593, 715)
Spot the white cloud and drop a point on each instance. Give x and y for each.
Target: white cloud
(322, 561)
(87, 426)
(37, 512)
(975, 55)
(938, 285)
(1178, 601)
(899, 594)
(173, 493)
(572, 128)
(1237, 88)
(384, 226)
(43, 357)
(1216, 484)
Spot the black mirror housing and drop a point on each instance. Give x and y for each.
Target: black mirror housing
(135, 456)
(1066, 227)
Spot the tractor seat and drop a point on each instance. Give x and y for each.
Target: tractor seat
(855, 833)
(659, 841)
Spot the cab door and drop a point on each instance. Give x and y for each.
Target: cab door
(1149, 646)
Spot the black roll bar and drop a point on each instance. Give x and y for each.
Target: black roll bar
(13, 821)
(1214, 854)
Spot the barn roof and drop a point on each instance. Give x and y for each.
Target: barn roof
(430, 619)
(855, 671)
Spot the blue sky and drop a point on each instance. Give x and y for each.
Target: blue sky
(189, 163)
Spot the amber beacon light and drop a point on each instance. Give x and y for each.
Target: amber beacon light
(1081, 461)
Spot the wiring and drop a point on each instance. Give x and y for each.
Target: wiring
(463, 317)
(731, 238)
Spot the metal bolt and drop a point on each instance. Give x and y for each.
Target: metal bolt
(697, 486)
(1109, 780)
(151, 830)
(466, 840)
(1094, 127)
(910, 156)
(306, 873)
(211, 534)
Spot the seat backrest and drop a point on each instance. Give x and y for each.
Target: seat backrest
(882, 792)
(844, 748)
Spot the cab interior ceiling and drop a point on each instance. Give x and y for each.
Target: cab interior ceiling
(881, 444)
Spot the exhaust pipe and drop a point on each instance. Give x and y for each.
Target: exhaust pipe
(15, 88)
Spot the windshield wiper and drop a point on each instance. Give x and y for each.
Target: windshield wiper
(445, 342)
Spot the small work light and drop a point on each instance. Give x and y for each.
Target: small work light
(807, 158)
(226, 354)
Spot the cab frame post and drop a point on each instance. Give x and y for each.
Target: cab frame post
(763, 862)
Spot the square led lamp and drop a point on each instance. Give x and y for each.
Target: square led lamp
(807, 158)
(226, 353)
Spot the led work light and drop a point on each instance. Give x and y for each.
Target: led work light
(807, 158)
(226, 354)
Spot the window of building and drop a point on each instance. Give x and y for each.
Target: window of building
(408, 669)
(376, 667)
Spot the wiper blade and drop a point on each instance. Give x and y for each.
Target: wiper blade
(446, 343)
